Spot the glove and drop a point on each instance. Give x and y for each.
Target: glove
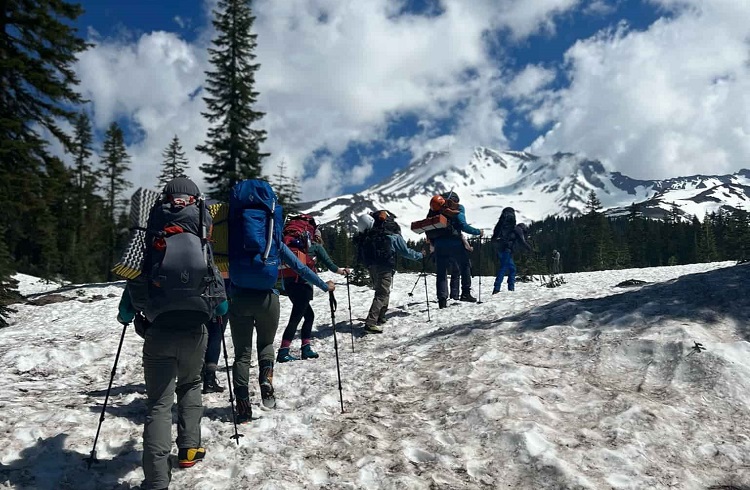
(125, 315)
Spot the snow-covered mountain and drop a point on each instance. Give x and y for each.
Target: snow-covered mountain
(535, 186)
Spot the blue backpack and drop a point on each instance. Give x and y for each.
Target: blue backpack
(255, 226)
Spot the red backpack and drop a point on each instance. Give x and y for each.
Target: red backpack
(298, 234)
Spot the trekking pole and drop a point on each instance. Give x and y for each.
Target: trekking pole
(419, 276)
(349, 297)
(332, 301)
(427, 298)
(479, 297)
(236, 435)
(92, 458)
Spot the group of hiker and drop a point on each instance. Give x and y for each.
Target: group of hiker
(180, 303)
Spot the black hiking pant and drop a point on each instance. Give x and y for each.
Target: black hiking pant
(300, 293)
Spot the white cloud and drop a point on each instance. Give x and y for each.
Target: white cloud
(333, 73)
(600, 7)
(529, 81)
(149, 82)
(671, 100)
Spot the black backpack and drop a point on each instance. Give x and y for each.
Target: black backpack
(374, 245)
(179, 264)
(386, 221)
(504, 232)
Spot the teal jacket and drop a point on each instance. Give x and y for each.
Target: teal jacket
(317, 251)
(126, 310)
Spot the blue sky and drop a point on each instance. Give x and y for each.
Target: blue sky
(354, 91)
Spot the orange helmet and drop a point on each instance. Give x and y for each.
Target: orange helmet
(437, 203)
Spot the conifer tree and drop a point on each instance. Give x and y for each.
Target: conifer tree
(83, 251)
(38, 48)
(233, 142)
(115, 163)
(706, 242)
(175, 162)
(286, 189)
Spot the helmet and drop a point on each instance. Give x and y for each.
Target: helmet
(437, 203)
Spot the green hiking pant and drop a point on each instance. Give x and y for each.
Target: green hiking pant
(382, 278)
(172, 362)
(252, 310)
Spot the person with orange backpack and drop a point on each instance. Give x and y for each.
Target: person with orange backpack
(304, 239)
(449, 245)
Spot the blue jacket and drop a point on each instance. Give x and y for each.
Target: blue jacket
(399, 247)
(459, 222)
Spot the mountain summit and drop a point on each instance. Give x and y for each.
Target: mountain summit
(535, 186)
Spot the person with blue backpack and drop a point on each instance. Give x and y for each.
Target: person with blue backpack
(508, 236)
(178, 291)
(256, 252)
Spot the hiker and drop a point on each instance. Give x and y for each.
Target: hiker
(300, 292)
(460, 270)
(451, 246)
(256, 251)
(178, 291)
(556, 262)
(508, 236)
(378, 242)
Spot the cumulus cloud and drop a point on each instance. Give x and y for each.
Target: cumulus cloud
(148, 83)
(670, 100)
(333, 73)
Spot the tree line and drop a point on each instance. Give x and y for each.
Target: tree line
(593, 241)
(70, 221)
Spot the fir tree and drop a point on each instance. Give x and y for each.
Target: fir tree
(287, 190)
(706, 242)
(8, 293)
(233, 142)
(115, 163)
(38, 48)
(82, 252)
(175, 163)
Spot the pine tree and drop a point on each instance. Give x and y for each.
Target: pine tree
(83, 251)
(8, 293)
(233, 142)
(706, 242)
(175, 163)
(287, 190)
(115, 163)
(38, 48)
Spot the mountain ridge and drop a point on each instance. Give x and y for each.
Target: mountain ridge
(536, 186)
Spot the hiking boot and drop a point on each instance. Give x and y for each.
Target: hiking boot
(382, 321)
(495, 291)
(285, 356)
(468, 298)
(188, 456)
(442, 303)
(373, 329)
(308, 352)
(455, 298)
(244, 410)
(266, 384)
(210, 383)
